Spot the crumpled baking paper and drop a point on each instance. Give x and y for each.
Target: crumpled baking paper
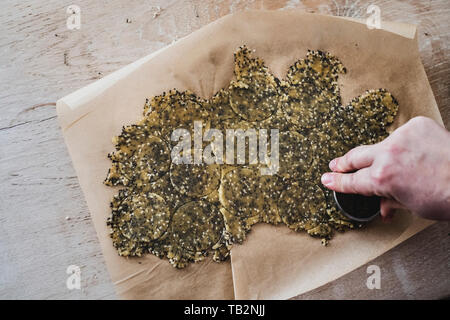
(274, 262)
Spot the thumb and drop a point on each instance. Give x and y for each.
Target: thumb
(387, 208)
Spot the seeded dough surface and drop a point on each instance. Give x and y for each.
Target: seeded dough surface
(183, 212)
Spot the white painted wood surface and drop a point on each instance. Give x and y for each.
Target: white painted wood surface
(44, 222)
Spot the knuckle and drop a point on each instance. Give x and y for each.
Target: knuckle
(393, 149)
(382, 176)
(347, 160)
(343, 183)
(353, 183)
(338, 181)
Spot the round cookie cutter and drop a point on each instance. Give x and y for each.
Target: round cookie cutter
(358, 207)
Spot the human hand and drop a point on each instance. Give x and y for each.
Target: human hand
(409, 169)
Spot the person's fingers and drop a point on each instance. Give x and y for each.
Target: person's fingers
(357, 182)
(357, 158)
(388, 207)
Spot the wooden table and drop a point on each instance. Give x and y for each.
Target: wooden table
(44, 222)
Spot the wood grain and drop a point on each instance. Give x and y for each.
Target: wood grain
(44, 221)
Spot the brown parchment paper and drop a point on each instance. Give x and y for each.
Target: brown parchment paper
(274, 262)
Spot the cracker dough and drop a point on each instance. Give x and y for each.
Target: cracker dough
(185, 212)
